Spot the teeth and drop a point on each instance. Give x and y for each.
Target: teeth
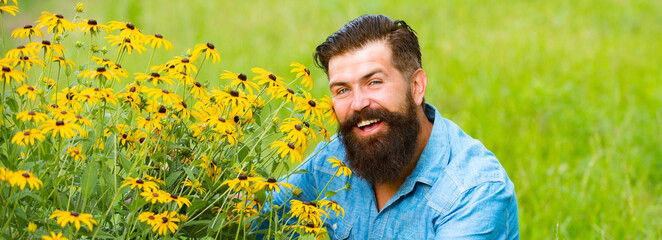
(367, 122)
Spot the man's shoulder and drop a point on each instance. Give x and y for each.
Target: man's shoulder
(470, 166)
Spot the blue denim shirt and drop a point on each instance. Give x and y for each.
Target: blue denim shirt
(458, 190)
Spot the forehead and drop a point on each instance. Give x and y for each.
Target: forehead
(356, 63)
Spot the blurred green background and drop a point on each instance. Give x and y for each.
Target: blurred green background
(567, 94)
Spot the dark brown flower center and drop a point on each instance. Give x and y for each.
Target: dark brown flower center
(106, 60)
(158, 35)
(63, 112)
(236, 118)
(185, 60)
(132, 89)
(148, 119)
(310, 225)
(272, 76)
(312, 103)
(184, 105)
(197, 84)
(271, 180)
(210, 45)
(139, 181)
(25, 175)
(124, 135)
(151, 217)
(26, 133)
(290, 91)
(234, 93)
(127, 40)
(156, 75)
(70, 95)
(307, 71)
(155, 194)
(142, 139)
(290, 145)
(242, 77)
(101, 69)
(20, 47)
(130, 26)
(31, 113)
(30, 88)
(6, 69)
(162, 109)
(306, 124)
(27, 26)
(79, 117)
(165, 91)
(92, 22)
(59, 16)
(221, 119)
(164, 219)
(242, 177)
(25, 58)
(297, 127)
(174, 196)
(59, 123)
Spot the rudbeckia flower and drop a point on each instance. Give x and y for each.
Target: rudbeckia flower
(167, 222)
(157, 40)
(26, 31)
(182, 65)
(27, 137)
(9, 9)
(208, 49)
(76, 152)
(8, 74)
(343, 169)
(268, 78)
(20, 178)
(303, 71)
(55, 23)
(242, 182)
(91, 26)
(28, 90)
(37, 117)
(307, 212)
(63, 62)
(271, 184)
(153, 196)
(127, 30)
(54, 236)
(126, 43)
(27, 62)
(333, 205)
(20, 51)
(179, 200)
(65, 217)
(240, 80)
(140, 184)
(163, 94)
(310, 107)
(287, 148)
(155, 78)
(63, 128)
(48, 47)
(99, 72)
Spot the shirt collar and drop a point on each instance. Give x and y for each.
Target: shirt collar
(435, 155)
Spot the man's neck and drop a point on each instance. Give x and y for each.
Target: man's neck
(385, 191)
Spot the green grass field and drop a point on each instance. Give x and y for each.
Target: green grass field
(567, 94)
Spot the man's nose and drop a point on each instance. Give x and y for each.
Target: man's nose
(360, 101)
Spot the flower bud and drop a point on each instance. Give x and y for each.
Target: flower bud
(104, 50)
(189, 53)
(32, 227)
(80, 7)
(78, 44)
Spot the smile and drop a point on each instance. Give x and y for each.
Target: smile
(368, 125)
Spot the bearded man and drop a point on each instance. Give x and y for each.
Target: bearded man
(417, 175)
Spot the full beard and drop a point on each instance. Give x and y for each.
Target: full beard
(384, 156)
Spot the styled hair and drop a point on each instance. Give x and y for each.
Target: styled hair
(399, 37)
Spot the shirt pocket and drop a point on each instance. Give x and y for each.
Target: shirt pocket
(338, 228)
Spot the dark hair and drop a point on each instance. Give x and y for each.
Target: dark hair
(406, 53)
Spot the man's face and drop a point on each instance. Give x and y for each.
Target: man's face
(377, 114)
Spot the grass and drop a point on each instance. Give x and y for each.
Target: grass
(567, 94)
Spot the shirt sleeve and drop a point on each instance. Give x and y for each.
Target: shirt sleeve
(487, 211)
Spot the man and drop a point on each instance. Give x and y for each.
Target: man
(417, 174)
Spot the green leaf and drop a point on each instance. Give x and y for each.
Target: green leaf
(172, 178)
(300, 171)
(90, 178)
(12, 104)
(329, 193)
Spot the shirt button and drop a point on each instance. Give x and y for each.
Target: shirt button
(335, 225)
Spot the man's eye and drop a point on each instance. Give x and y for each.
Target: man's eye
(341, 91)
(373, 82)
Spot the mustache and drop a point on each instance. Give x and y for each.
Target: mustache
(367, 114)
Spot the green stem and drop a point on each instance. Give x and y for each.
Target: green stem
(150, 60)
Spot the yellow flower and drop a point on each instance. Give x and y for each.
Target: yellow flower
(76, 152)
(32, 227)
(149, 177)
(182, 65)
(240, 80)
(149, 217)
(181, 107)
(126, 43)
(63, 128)
(271, 184)
(29, 90)
(9, 73)
(198, 90)
(296, 131)
(55, 23)
(342, 167)
(148, 123)
(287, 94)
(157, 40)
(155, 78)
(184, 78)
(153, 196)
(99, 72)
(9, 9)
(65, 217)
(127, 30)
(167, 222)
(26, 31)
(179, 200)
(208, 49)
(210, 166)
(37, 117)
(163, 94)
(27, 137)
(21, 51)
(307, 212)
(27, 62)
(5, 175)
(242, 182)
(140, 184)
(302, 70)
(273, 82)
(197, 185)
(333, 205)
(54, 237)
(64, 115)
(57, 49)
(20, 178)
(63, 62)
(287, 148)
(326, 104)
(310, 107)
(92, 26)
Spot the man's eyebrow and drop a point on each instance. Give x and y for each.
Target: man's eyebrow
(363, 78)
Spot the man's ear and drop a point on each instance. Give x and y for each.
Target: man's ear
(419, 83)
